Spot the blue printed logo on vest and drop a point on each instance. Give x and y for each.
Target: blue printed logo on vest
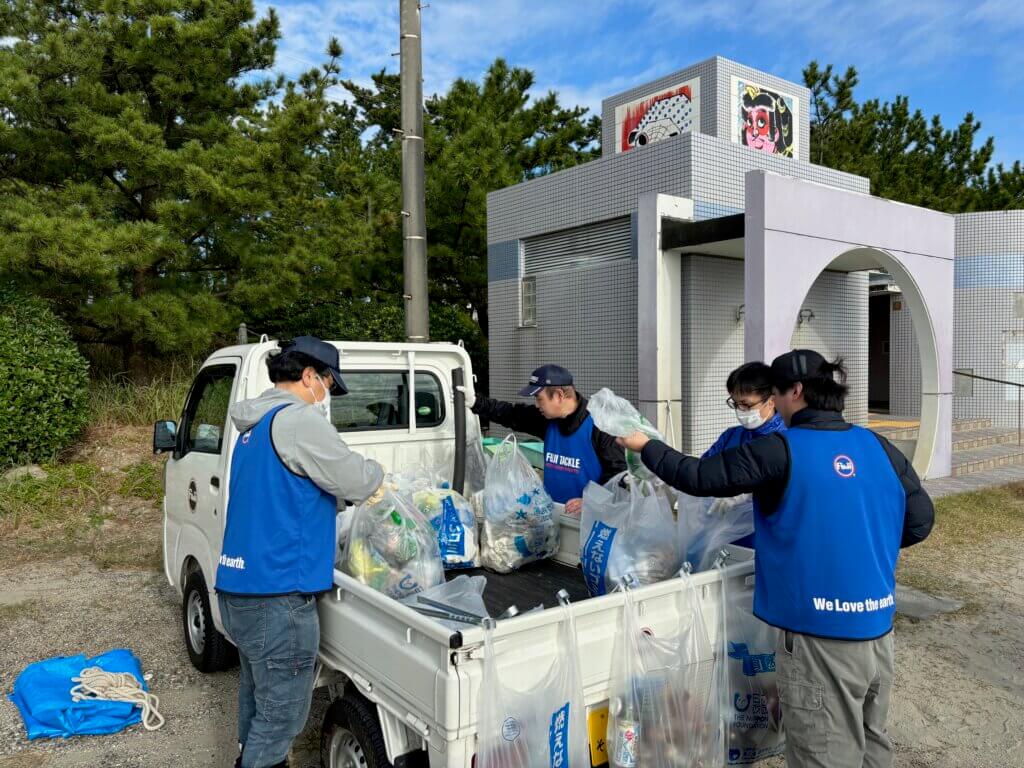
(753, 664)
(246, 437)
(558, 738)
(844, 466)
(450, 533)
(595, 556)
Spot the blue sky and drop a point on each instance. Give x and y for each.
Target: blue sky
(947, 56)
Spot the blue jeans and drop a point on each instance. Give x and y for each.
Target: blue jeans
(277, 639)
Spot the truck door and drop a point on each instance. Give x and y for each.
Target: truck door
(196, 473)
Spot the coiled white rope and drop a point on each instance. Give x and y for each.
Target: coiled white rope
(96, 683)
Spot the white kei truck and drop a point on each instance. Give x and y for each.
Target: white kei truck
(405, 689)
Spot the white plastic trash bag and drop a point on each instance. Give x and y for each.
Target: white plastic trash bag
(463, 594)
(616, 416)
(751, 703)
(626, 527)
(519, 524)
(392, 547)
(664, 707)
(543, 726)
(452, 517)
(706, 525)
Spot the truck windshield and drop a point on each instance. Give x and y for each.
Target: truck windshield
(380, 400)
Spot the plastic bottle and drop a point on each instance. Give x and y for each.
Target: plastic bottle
(627, 733)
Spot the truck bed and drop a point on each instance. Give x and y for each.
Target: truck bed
(530, 586)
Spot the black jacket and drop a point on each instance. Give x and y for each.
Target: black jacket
(761, 467)
(522, 417)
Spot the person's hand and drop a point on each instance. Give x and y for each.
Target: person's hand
(634, 442)
(573, 507)
(377, 496)
(470, 397)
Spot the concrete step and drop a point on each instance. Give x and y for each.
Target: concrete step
(980, 438)
(988, 457)
(907, 429)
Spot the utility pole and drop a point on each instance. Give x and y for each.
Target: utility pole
(414, 223)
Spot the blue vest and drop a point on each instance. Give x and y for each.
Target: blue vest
(826, 558)
(736, 436)
(280, 532)
(570, 461)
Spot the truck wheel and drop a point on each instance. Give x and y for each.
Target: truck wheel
(351, 736)
(208, 649)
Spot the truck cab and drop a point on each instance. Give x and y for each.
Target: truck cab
(398, 410)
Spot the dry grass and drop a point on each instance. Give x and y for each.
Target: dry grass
(99, 503)
(966, 527)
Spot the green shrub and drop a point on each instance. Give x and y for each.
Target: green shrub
(43, 382)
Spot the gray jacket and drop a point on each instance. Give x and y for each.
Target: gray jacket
(309, 446)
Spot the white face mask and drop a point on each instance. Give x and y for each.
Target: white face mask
(751, 419)
(324, 406)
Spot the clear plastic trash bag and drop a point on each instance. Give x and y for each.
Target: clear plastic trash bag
(392, 548)
(616, 416)
(543, 726)
(452, 517)
(519, 522)
(627, 527)
(463, 593)
(706, 525)
(753, 711)
(664, 709)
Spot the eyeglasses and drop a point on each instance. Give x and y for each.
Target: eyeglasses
(743, 406)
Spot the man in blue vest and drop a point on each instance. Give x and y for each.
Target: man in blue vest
(575, 451)
(290, 473)
(836, 503)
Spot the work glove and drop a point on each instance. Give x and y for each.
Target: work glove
(470, 397)
(377, 496)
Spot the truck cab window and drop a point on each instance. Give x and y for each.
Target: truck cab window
(380, 400)
(206, 413)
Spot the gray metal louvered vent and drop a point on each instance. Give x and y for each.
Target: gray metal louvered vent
(592, 244)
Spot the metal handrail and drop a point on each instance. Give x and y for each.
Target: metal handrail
(1020, 403)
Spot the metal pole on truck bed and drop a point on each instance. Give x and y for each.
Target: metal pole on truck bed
(414, 225)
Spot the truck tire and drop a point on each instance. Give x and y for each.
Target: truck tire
(207, 648)
(351, 735)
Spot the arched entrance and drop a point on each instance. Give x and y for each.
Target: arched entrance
(795, 230)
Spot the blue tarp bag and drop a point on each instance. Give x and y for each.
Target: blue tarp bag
(42, 693)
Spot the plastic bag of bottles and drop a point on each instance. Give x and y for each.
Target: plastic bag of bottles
(751, 694)
(542, 726)
(452, 517)
(706, 525)
(627, 527)
(664, 709)
(519, 523)
(616, 416)
(392, 548)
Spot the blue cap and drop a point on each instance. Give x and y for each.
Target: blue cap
(546, 376)
(322, 352)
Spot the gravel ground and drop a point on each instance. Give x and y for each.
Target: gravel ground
(55, 609)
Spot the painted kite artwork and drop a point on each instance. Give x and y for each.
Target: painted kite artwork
(765, 120)
(658, 116)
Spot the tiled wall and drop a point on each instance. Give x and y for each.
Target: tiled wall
(716, 102)
(904, 361)
(586, 321)
(988, 329)
(712, 340)
(989, 312)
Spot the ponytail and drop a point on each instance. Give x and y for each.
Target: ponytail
(827, 390)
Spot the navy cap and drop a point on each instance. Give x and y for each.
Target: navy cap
(546, 376)
(322, 352)
(798, 365)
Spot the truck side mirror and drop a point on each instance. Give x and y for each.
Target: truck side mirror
(165, 435)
